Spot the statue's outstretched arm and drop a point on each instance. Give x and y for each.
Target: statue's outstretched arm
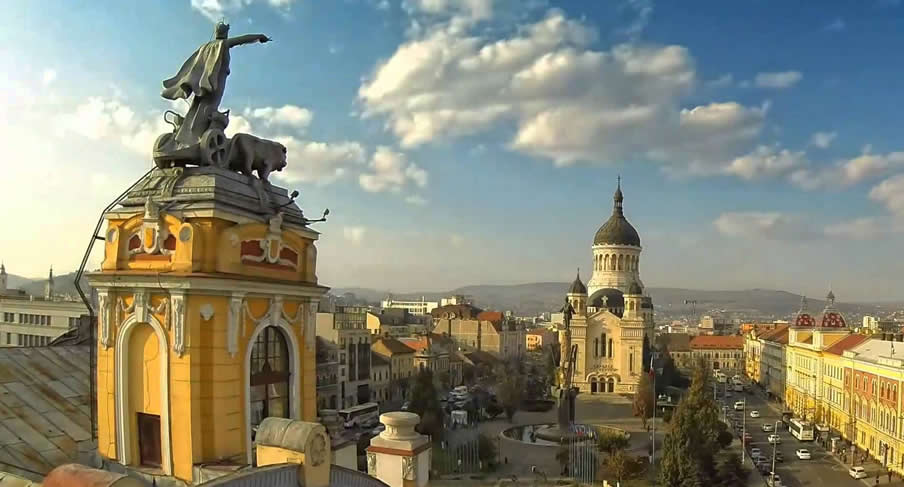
(246, 39)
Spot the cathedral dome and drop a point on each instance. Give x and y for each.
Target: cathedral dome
(578, 287)
(635, 289)
(607, 298)
(617, 230)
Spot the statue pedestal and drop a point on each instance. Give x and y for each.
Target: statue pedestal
(400, 456)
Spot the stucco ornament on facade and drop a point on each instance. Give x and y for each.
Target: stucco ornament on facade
(153, 232)
(178, 321)
(409, 467)
(104, 317)
(206, 311)
(371, 464)
(236, 318)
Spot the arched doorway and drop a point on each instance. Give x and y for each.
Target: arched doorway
(270, 376)
(593, 384)
(610, 384)
(142, 394)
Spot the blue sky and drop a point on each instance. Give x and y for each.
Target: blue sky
(478, 141)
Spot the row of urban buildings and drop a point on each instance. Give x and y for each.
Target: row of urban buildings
(848, 383)
(371, 355)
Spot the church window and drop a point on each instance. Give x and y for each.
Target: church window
(269, 376)
(606, 262)
(631, 362)
(610, 348)
(603, 340)
(596, 347)
(621, 262)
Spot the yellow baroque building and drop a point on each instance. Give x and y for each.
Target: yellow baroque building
(808, 338)
(207, 299)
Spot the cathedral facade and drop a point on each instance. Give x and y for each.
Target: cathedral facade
(612, 324)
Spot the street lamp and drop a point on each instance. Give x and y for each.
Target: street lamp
(743, 430)
(774, 446)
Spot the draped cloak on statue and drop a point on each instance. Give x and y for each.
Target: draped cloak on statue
(202, 74)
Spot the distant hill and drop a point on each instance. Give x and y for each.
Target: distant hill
(62, 284)
(534, 298)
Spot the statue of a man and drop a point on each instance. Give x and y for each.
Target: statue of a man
(203, 76)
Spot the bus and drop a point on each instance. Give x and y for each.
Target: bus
(802, 430)
(364, 415)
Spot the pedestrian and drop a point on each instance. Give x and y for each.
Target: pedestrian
(877, 479)
(889, 476)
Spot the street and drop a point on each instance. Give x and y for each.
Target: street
(823, 469)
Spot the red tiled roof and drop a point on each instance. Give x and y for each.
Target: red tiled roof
(492, 316)
(846, 343)
(779, 335)
(394, 346)
(717, 341)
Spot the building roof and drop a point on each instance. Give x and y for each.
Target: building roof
(491, 316)
(577, 287)
(376, 360)
(394, 316)
(847, 343)
(456, 311)
(392, 346)
(717, 342)
(873, 349)
(778, 335)
(616, 230)
(675, 342)
(45, 408)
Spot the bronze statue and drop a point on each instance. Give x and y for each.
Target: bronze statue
(198, 137)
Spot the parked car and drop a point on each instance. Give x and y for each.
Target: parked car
(774, 480)
(754, 453)
(857, 472)
(779, 457)
(739, 406)
(803, 454)
(754, 414)
(747, 438)
(767, 427)
(774, 439)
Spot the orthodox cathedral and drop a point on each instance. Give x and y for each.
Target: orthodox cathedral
(612, 324)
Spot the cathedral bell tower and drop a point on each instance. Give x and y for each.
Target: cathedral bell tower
(577, 295)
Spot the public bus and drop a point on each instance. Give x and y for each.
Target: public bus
(802, 430)
(366, 415)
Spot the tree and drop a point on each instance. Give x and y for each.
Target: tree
(445, 379)
(608, 442)
(468, 374)
(730, 471)
(618, 464)
(643, 399)
(511, 390)
(425, 402)
(670, 376)
(695, 435)
(486, 450)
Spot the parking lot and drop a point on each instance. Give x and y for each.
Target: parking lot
(822, 469)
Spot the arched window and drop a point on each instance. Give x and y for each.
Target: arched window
(621, 262)
(596, 347)
(603, 340)
(269, 376)
(606, 262)
(610, 348)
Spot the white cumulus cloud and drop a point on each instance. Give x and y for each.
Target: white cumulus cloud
(890, 193)
(846, 172)
(765, 161)
(764, 225)
(566, 101)
(215, 10)
(778, 80)
(391, 171)
(288, 115)
(354, 234)
(822, 140)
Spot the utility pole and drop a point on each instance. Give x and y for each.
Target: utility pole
(653, 434)
(772, 472)
(744, 430)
